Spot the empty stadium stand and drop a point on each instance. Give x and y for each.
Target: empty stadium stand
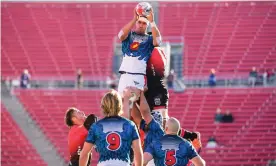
(254, 127)
(250, 140)
(55, 39)
(230, 37)
(48, 108)
(15, 148)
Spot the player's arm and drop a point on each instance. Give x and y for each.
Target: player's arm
(148, 154)
(138, 153)
(144, 108)
(88, 146)
(194, 157)
(84, 155)
(155, 31)
(198, 161)
(136, 115)
(126, 29)
(147, 158)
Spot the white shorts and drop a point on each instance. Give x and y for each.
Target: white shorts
(133, 80)
(151, 163)
(113, 162)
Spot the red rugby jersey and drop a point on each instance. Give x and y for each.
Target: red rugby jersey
(76, 138)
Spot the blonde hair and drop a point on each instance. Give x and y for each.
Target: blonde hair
(112, 104)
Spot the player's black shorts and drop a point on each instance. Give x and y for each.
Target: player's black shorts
(157, 97)
(75, 161)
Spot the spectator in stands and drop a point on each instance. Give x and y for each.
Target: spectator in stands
(79, 79)
(218, 116)
(25, 79)
(211, 144)
(271, 163)
(170, 79)
(265, 77)
(228, 117)
(112, 81)
(212, 78)
(8, 82)
(253, 77)
(272, 76)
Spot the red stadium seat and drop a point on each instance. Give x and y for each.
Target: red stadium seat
(253, 130)
(15, 148)
(230, 37)
(55, 39)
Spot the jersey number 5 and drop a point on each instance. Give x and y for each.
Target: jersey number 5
(114, 141)
(170, 159)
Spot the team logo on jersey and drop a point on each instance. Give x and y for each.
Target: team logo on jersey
(157, 101)
(134, 46)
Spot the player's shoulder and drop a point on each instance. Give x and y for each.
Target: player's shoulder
(127, 121)
(173, 138)
(185, 142)
(99, 121)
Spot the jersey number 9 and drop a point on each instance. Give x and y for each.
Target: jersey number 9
(170, 159)
(114, 141)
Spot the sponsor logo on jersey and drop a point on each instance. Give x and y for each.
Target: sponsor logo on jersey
(136, 83)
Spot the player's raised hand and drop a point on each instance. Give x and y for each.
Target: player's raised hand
(135, 15)
(150, 17)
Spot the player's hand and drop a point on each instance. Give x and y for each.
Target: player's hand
(150, 17)
(136, 91)
(198, 134)
(127, 93)
(135, 15)
(146, 88)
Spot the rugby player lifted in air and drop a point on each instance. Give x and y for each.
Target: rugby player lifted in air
(137, 46)
(157, 94)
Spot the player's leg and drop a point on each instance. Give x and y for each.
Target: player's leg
(157, 99)
(131, 80)
(123, 83)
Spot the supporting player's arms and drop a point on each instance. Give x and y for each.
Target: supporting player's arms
(155, 31)
(147, 158)
(138, 153)
(144, 108)
(84, 155)
(126, 29)
(198, 161)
